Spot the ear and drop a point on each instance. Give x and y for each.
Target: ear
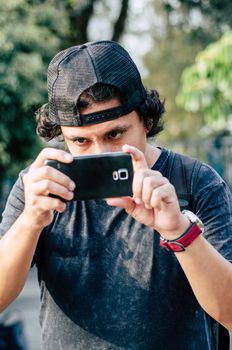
(148, 126)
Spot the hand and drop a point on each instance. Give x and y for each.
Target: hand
(41, 181)
(154, 201)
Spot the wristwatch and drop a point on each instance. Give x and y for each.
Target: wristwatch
(193, 231)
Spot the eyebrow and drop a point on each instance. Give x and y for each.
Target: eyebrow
(117, 128)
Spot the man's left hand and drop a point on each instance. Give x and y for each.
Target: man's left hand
(154, 202)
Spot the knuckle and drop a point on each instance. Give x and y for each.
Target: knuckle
(28, 178)
(142, 172)
(149, 181)
(136, 189)
(64, 179)
(59, 205)
(25, 178)
(156, 173)
(46, 185)
(45, 151)
(166, 182)
(33, 201)
(172, 188)
(46, 170)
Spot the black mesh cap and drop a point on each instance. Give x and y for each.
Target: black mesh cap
(77, 68)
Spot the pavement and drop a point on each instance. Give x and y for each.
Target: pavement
(27, 306)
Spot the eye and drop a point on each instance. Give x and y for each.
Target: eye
(80, 141)
(115, 134)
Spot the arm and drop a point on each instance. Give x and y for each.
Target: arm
(155, 204)
(210, 276)
(18, 244)
(16, 254)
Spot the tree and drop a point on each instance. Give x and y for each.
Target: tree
(32, 31)
(206, 85)
(206, 20)
(31, 34)
(180, 30)
(80, 14)
(173, 50)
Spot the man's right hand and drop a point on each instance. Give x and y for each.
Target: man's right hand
(41, 181)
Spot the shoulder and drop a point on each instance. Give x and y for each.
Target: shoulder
(203, 172)
(14, 205)
(18, 187)
(209, 197)
(196, 180)
(208, 190)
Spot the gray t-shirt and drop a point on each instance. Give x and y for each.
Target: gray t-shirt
(107, 284)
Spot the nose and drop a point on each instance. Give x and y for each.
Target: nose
(102, 147)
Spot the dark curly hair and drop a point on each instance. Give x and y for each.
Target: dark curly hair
(150, 111)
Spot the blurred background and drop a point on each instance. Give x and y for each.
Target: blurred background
(183, 49)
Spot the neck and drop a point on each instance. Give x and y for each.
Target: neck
(152, 153)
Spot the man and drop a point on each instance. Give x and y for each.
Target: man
(121, 273)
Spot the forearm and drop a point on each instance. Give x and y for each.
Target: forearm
(210, 276)
(17, 248)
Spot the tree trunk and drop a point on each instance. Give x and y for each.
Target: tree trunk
(79, 19)
(81, 14)
(121, 21)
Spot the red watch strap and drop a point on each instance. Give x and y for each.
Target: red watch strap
(179, 244)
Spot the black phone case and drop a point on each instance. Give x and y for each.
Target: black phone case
(99, 176)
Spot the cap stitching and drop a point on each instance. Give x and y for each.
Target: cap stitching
(57, 70)
(98, 75)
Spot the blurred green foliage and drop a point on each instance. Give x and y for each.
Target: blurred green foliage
(166, 62)
(205, 19)
(31, 32)
(206, 85)
(185, 28)
(174, 48)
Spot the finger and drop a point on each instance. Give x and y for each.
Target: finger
(50, 173)
(155, 180)
(51, 153)
(46, 204)
(143, 178)
(47, 187)
(163, 196)
(138, 157)
(137, 184)
(126, 203)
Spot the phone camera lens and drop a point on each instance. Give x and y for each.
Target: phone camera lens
(123, 174)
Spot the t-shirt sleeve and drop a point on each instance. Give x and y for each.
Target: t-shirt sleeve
(213, 205)
(14, 205)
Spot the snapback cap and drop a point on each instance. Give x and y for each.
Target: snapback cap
(79, 67)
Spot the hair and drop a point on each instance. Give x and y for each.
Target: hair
(150, 111)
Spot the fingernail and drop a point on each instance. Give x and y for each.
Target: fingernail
(61, 208)
(70, 195)
(72, 185)
(148, 206)
(137, 201)
(68, 156)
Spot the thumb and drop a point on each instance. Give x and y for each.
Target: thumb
(138, 157)
(126, 203)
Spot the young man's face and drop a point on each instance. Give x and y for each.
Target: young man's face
(108, 136)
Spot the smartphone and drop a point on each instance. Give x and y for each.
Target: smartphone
(102, 175)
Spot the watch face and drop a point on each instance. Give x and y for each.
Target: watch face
(193, 218)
